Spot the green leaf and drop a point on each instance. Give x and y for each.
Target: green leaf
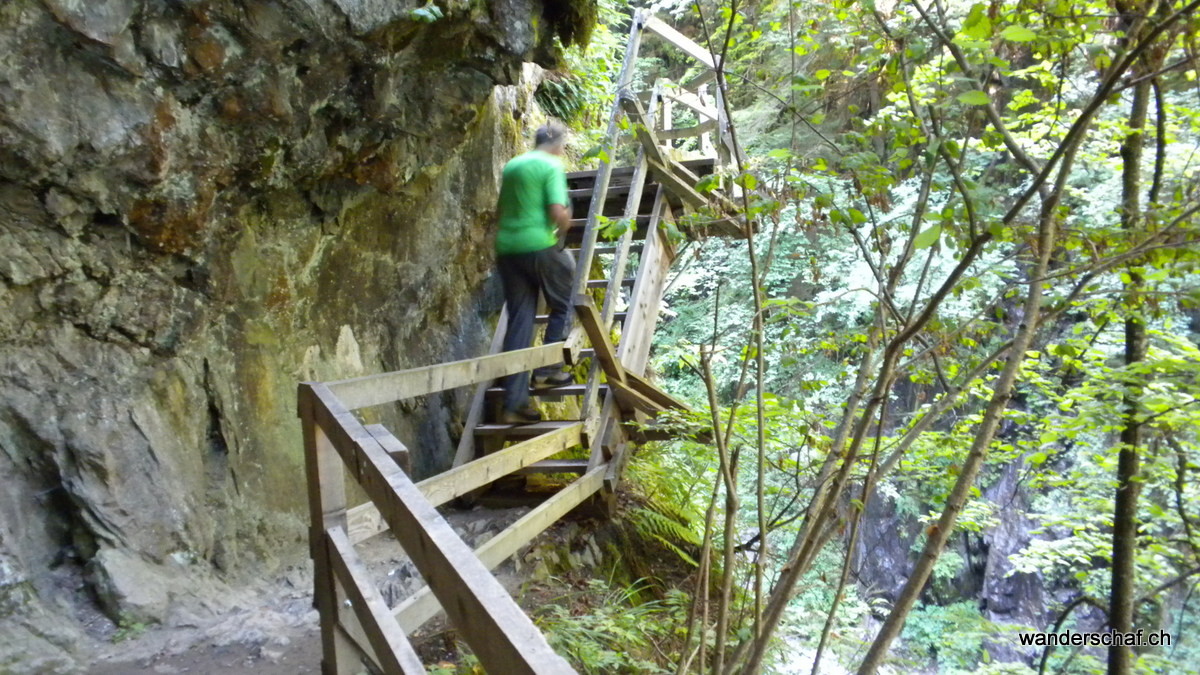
(974, 97)
(747, 180)
(977, 26)
(928, 237)
(1017, 33)
(596, 152)
(821, 74)
(709, 183)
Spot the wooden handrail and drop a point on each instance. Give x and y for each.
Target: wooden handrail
(499, 633)
(364, 521)
(393, 651)
(422, 605)
(369, 390)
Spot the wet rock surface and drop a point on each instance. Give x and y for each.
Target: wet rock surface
(202, 204)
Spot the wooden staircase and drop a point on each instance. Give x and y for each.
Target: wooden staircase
(628, 274)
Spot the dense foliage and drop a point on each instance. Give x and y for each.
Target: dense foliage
(975, 250)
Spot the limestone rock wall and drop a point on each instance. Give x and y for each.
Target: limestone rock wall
(203, 202)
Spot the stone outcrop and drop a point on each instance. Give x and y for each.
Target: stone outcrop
(201, 204)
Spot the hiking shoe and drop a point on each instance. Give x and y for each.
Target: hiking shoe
(526, 415)
(560, 379)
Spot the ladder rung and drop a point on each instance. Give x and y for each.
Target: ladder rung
(603, 283)
(578, 466)
(523, 430)
(619, 317)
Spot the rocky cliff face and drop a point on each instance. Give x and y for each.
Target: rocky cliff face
(890, 540)
(201, 204)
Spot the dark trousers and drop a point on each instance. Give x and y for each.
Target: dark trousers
(550, 271)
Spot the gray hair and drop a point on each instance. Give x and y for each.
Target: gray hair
(551, 133)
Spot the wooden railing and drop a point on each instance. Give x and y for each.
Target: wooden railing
(489, 620)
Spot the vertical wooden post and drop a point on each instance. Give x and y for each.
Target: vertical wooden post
(475, 414)
(667, 117)
(706, 144)
(327, 508)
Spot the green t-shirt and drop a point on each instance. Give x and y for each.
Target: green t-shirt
(532, 182)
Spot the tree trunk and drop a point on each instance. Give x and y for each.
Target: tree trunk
(1124, 542)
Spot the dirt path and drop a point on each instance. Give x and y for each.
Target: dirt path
(271, 629)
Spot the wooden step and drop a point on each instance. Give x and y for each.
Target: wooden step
(603, 283)
(623, 174)
(522, 430)
(566, 390)
(618, 317)
(614, 203)
(579, 223)
(578, 466)
(607, 249)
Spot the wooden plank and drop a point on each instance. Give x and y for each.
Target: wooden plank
(565, 390)
(634, 350)
(489, 620)
(677, 185)
(466, 443)
(369, 390)
(643, 127)
(706, 75)
(694, 102)
(632, 399)
(608, 250)
(706, 127)
(325, 477)
(604, 430)
(391, 646)
(545, 318)
(460, 480)
(392, 446)
(598, 334)
(640, 220)
(422, 606)
(600, 423)
(605, 283)
(364, 521)
(680, 41)
(646, 298)
(660, 398)
(526, 430)
(673, 176)
(701, 165)
(555, 466)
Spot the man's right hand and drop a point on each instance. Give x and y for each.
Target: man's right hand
(561, 216)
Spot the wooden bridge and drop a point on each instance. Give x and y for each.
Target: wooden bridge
(358, 629)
